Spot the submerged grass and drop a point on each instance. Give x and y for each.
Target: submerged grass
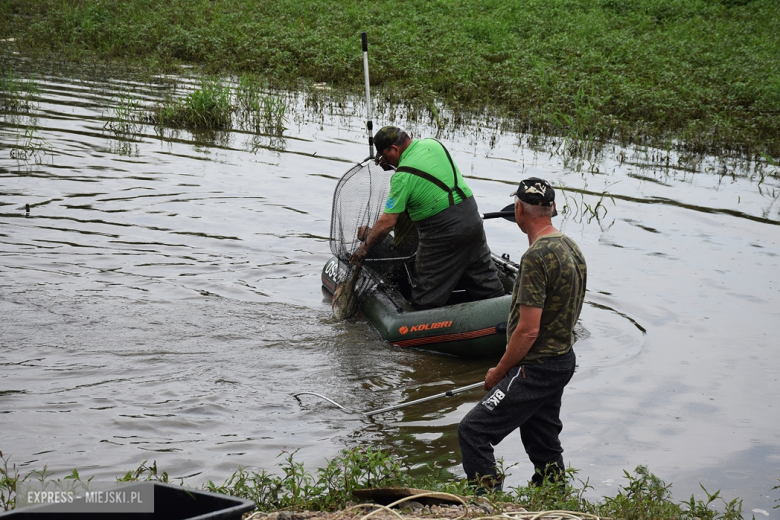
(645, 496)
(17, 95)
(705, 73)
(30, 147)
(123, 118)
(257, 109)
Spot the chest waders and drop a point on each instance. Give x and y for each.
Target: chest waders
(452, 248)
(427, 224)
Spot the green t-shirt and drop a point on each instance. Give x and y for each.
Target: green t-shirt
(552, 277)
(420, 197)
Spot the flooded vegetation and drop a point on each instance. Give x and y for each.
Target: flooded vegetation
(16, 95)
(701, 74)
(161, 301)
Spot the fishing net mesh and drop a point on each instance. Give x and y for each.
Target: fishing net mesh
(358, 201)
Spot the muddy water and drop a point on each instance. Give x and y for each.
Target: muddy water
(162, 302)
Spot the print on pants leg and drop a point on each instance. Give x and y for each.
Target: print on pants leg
(491, 402)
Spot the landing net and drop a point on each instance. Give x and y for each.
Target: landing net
(358, 201)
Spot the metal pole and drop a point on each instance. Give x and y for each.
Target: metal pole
(448, 393)
(369, 124)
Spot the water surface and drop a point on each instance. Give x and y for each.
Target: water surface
(162, 301)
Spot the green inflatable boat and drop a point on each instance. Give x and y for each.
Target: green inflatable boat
(460, 328)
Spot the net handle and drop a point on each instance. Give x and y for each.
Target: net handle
(369, 124)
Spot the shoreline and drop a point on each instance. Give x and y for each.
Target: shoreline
(379, 477)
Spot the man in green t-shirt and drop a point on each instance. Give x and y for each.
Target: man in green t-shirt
(527, 384)
(429, 188)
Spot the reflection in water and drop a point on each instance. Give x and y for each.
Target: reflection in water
(162, 300)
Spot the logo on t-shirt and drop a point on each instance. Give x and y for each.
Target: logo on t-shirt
(390, 204)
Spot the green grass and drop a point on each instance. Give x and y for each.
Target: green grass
(643, 497)
(703, 73)
(9, 478)
(209, 107)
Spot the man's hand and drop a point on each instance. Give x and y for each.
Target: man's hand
(523, 338)
(373, 236)
(359, 255)
(493, 377)
(363, 232)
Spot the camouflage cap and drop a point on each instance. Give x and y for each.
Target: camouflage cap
(385, 137)
(535, 191)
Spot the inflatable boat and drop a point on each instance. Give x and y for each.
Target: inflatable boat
(460, 328)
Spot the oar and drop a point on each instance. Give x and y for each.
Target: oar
(448, 393)
(507, 213)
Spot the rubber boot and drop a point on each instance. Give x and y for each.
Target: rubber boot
(487, 486)
(552, 474)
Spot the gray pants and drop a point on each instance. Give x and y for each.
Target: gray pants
(453, 250)
(532, 404)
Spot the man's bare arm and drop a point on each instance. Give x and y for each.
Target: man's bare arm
(519, 344)
(382, 227)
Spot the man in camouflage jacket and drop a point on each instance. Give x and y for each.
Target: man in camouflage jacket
(526, 386)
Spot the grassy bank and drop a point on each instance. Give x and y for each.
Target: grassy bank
(643, 496)
(706, 72)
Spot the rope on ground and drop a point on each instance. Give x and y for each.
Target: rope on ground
(379, 507)
(516, 515)
(539, 515)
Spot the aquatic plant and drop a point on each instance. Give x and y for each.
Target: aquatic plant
(257, 110)
(9, 478)
(249, 94)
(208, 107)
(273, 114)
(149, 474)
(30, 147)
(16, 94)
(578, 209)
(775, 172)
(123, 117)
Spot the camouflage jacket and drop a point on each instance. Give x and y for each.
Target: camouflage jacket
(552, 277)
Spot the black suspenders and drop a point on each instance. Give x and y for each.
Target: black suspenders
(430, 178)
